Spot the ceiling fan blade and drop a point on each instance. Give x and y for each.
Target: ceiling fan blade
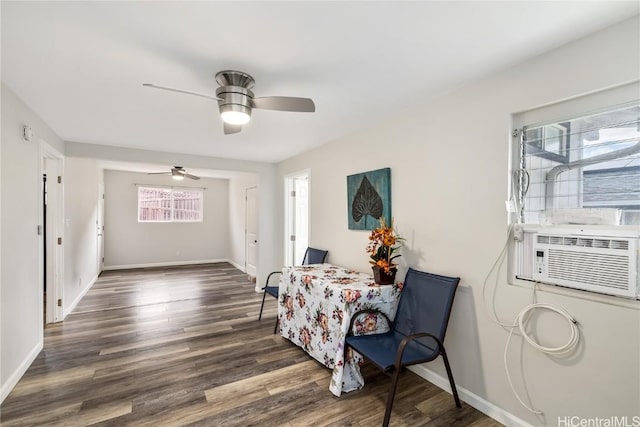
(188, 92)
(191, 176)
(158, 173)
(229, 129)
(285, 103)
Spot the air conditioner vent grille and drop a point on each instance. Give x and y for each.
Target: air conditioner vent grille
(586, 260)
(620, 244)
(584, 242)
(602, 270)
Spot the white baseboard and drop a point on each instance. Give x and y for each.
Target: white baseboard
(258, 287)
(470, 398)
(19, 372)
(75, 302)
(164, 264)
(236, 265)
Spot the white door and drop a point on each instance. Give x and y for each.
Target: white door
(52, 268)
(297, 208)
(251, 232)
(100, 228)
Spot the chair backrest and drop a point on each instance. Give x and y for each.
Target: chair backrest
(314, 256)
(425, 305)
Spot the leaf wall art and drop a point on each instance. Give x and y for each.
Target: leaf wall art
(369, 198)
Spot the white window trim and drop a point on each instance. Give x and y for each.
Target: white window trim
(172, 207)
(552, 113)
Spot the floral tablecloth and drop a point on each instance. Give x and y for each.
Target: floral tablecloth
(315, 306)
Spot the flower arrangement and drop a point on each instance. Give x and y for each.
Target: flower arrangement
(383, 243)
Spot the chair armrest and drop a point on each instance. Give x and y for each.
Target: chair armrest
(406, 340)
(355, 315)
(269, 277)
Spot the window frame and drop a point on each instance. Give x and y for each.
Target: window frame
(564, 145)
(172, 204)
(560, 112)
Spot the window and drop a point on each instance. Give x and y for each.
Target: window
(589, 161)
(156, 204)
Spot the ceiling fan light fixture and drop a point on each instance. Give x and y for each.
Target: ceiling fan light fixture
(234, 114)
(177, 174)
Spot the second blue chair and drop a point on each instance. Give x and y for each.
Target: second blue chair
(311, 256)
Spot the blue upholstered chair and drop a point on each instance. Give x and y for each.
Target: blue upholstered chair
(311, 256)
(417, 333)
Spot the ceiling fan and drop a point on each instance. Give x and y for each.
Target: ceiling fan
(236, 100)
(177, 172)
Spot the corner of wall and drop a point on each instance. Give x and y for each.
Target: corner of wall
(68, 309)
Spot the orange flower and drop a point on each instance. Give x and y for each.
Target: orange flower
(383, 246)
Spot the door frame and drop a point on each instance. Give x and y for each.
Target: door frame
(100, 229)
(289, 209)
(246, 229)
(52, 164)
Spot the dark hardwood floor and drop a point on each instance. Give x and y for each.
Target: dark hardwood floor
(183, 346)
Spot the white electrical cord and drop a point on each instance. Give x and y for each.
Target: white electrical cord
(496, 265)
(573, 325)
(520, 322)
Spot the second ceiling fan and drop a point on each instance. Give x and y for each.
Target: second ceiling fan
(177, 172)
(236, 100)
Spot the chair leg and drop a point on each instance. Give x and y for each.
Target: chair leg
(392, 395)
(450, 375)
(275, 328)
(264, 294)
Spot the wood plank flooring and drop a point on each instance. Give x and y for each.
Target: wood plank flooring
(183, 346)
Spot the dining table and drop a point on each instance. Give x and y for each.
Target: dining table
(315, 306)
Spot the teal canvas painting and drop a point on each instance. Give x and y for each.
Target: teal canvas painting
(369, 199)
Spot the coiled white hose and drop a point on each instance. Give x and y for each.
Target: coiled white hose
(520, 322)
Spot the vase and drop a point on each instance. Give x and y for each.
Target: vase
(382, 278)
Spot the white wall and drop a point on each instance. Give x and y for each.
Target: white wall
(20, 285)
(268, 259)
(81, 180)
(449, 163)
(130, 243)
(237, 214)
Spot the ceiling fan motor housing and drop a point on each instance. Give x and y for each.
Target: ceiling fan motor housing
(234, 98)
(234, 91)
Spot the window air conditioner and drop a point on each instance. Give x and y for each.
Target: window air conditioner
(604, 261)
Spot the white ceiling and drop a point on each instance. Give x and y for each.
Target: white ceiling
(81, 65)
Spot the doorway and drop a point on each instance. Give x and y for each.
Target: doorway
(296, 217)
(100, 229)
(51, 230)
(251, 232)
(44, 245)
